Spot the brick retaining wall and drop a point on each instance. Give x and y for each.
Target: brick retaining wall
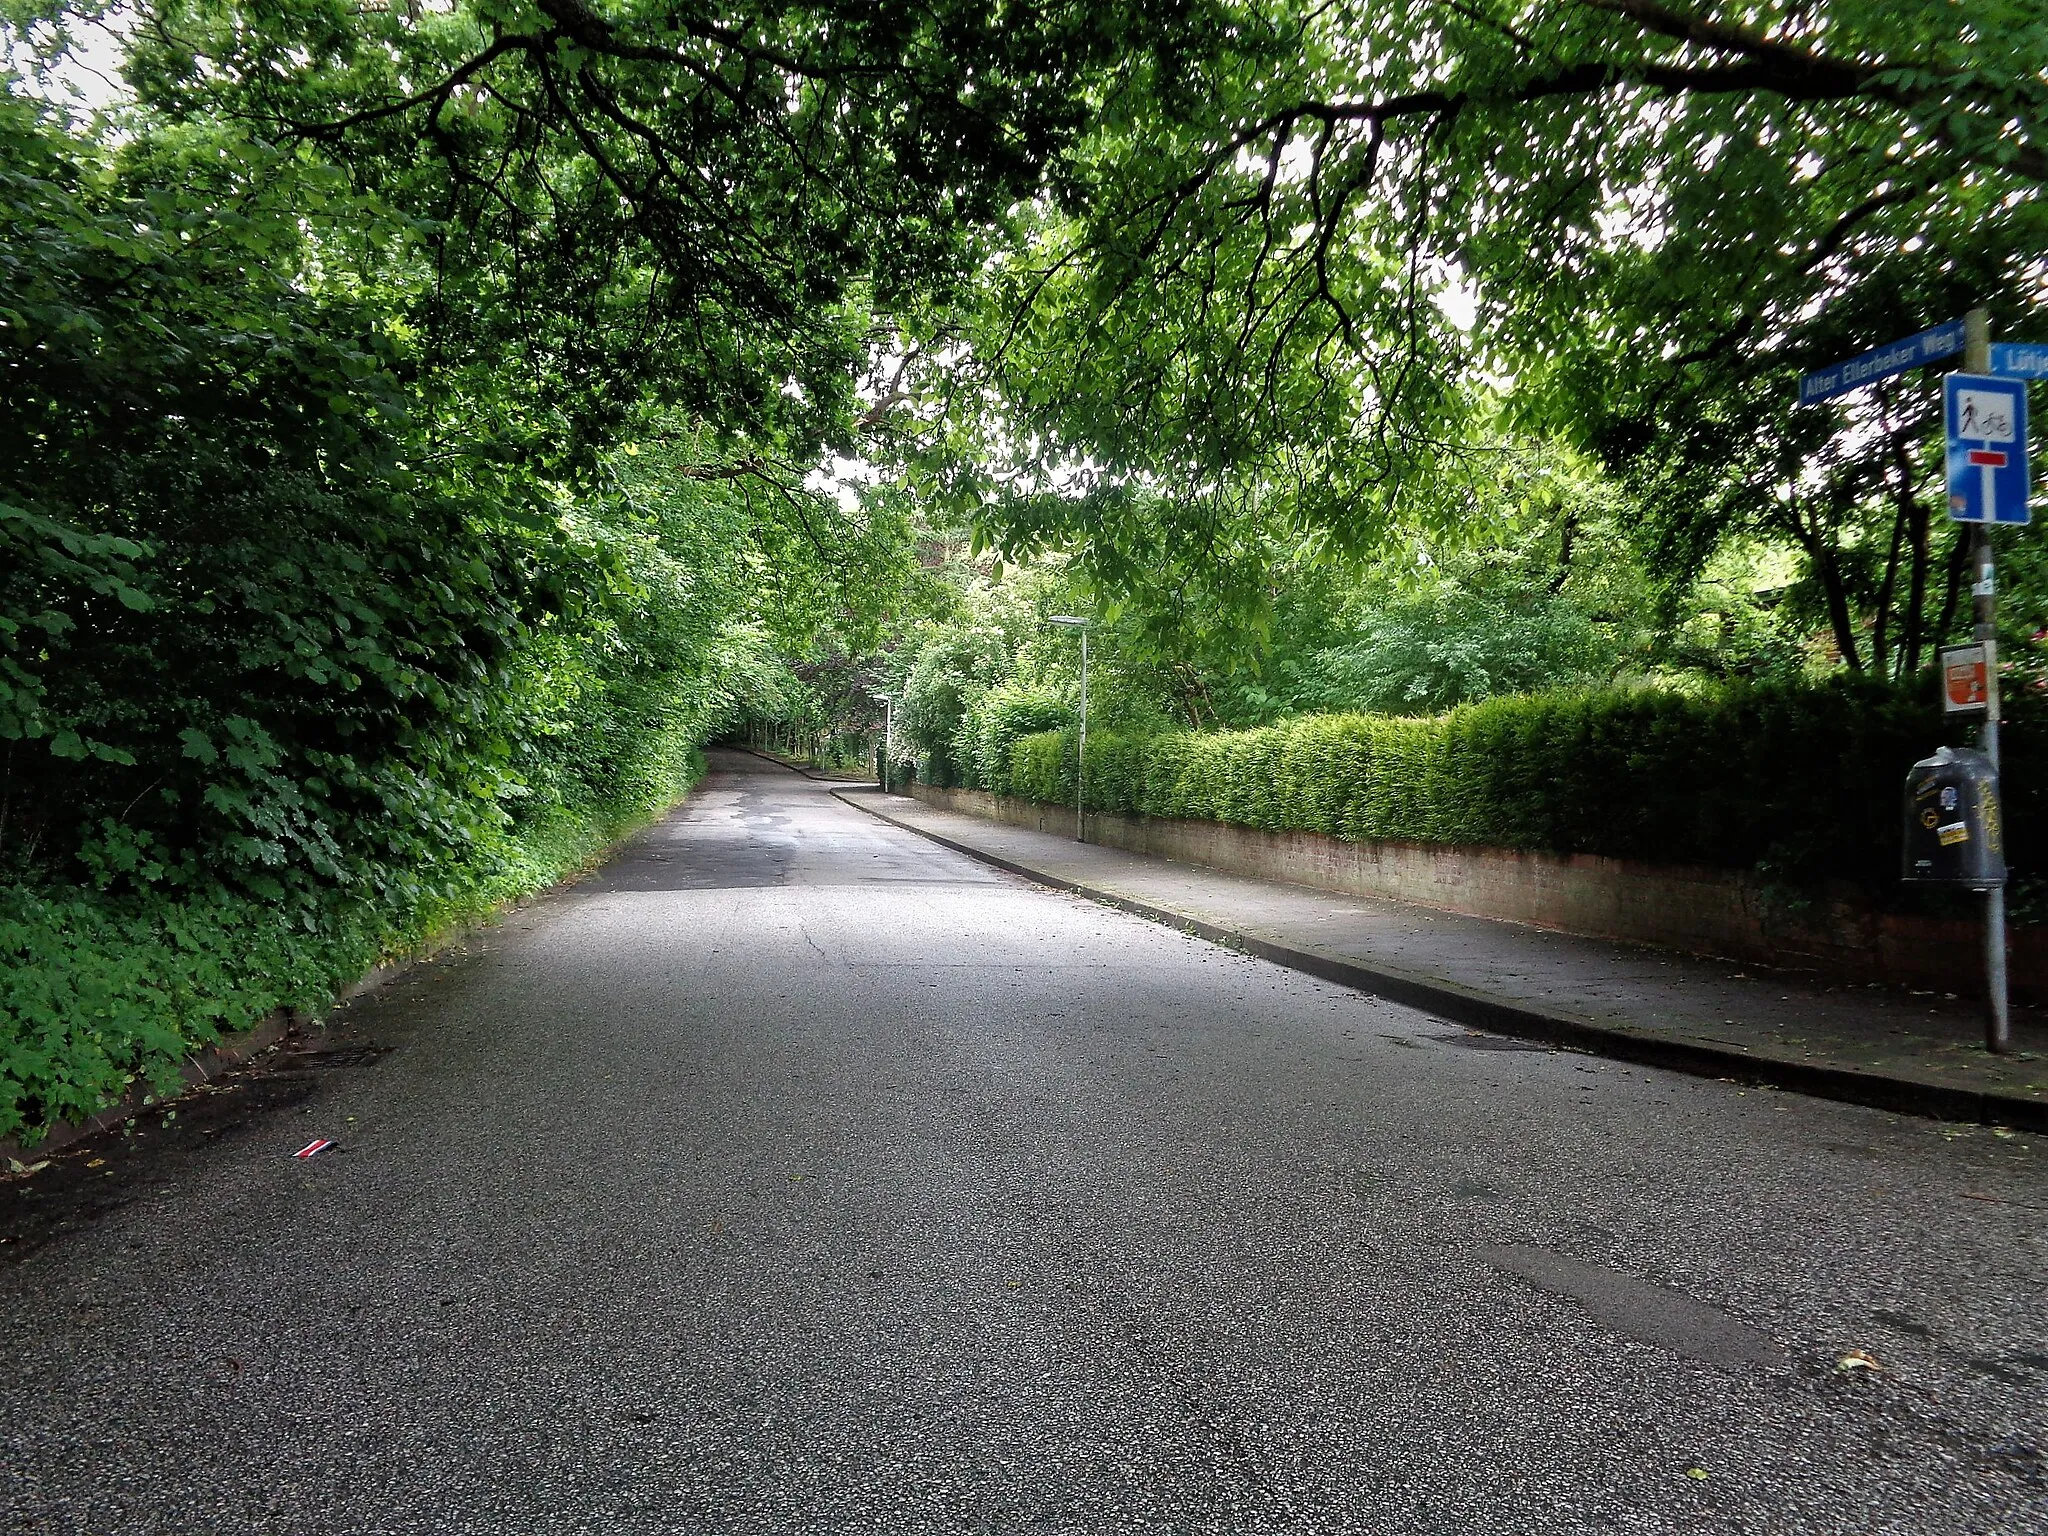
(1697, 910)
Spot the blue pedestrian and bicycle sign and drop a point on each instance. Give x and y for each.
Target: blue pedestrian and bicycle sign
(1987, 448)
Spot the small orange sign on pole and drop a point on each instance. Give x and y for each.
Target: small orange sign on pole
(1965, 678)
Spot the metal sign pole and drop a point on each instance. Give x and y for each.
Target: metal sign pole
(1984, 591)
(1081, 754)
(1072, 621)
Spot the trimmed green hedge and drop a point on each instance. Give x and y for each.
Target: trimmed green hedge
(1800, 781)
(984, 749)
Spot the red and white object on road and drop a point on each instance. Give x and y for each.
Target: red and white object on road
(313, 1149)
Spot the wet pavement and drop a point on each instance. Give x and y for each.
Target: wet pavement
(1908, 1037)
(795, 1173)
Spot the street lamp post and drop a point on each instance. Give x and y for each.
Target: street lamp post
(888, 733)
(1069, 621)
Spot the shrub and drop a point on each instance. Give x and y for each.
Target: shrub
(1042, 766)
(983, 748)
(102, 990)
(1801, 779)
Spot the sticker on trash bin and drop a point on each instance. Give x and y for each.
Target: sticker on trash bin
(315, 1148)
(1954, 832)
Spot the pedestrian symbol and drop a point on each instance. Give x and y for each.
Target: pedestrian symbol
(1984, 415)
(1987, 448)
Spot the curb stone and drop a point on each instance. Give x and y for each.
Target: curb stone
(203, 1066)
(1468, 1006)
(803, 768)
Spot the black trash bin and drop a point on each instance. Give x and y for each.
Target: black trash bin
(1955, 833)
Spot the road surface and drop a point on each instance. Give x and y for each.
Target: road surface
(796, 1174)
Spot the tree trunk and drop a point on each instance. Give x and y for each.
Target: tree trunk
(1958, 558)
(1880, 633)
(1822, 553)
(1839, 618)
(1568, 538)
(1912, 632)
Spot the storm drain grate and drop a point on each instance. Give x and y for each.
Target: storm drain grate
(1494, 1043)
(336, 1059)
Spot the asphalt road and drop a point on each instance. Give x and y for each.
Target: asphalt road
(795, 1174)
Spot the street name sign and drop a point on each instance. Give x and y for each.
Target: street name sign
(2019, 359)
(1881, 363)
(1987, 448)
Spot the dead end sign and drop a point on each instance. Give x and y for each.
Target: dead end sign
(1987, 448)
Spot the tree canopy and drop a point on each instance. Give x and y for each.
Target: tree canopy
(428, 419)
(1296, 287)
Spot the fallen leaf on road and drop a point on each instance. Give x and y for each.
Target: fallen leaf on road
(1697, 1474)
(97, 1162)
(1856, 1360)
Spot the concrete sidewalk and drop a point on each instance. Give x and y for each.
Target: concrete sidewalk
(1920, 1053)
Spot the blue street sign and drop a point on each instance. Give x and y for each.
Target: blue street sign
(1987, 448)
(2019, 359)
(1882, 363)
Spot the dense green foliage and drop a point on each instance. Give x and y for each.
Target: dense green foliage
(1306, 299)
(384, 517)
(420, 422)
(1799, 781)
(1512, 606)
(286, 679)
(985, 746)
